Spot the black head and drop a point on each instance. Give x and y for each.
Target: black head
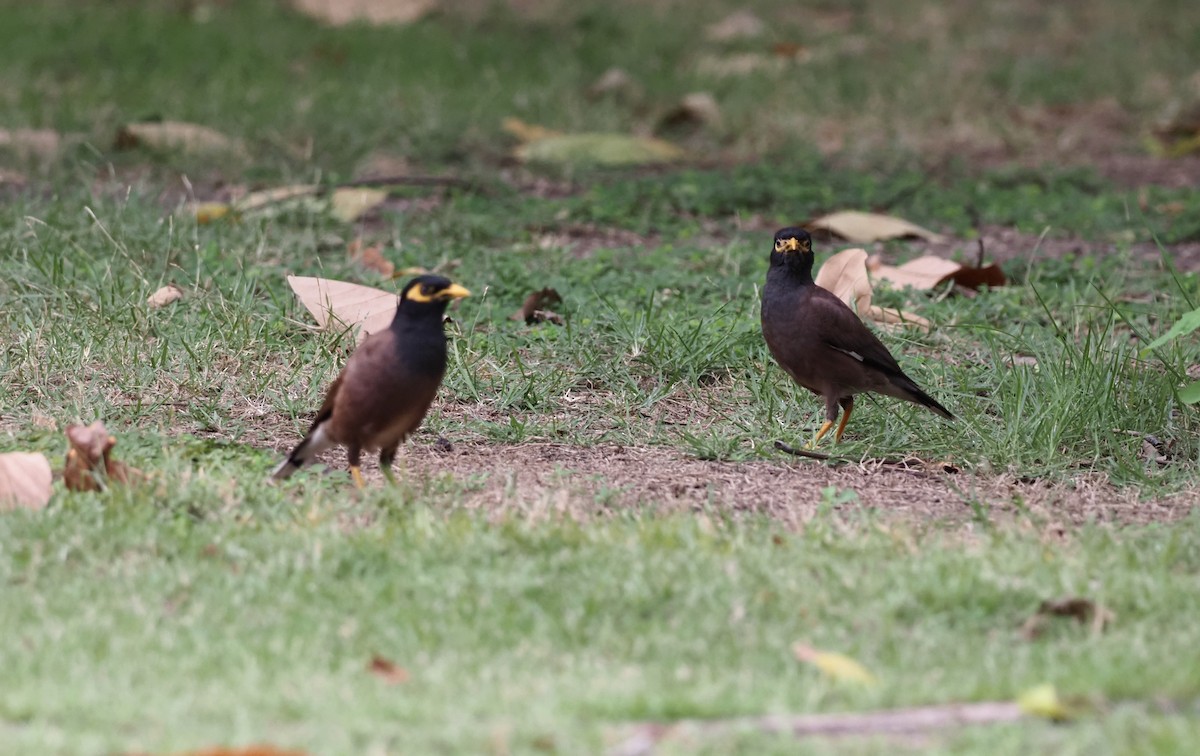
(428, 295)
(793, 251)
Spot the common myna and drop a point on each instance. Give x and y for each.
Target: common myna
(821, 343)
(387, 385)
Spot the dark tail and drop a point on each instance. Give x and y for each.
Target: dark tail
(917, 396)
(304, 453)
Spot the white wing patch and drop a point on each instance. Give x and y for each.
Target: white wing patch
(850, 352)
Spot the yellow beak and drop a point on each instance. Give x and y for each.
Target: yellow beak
(454, 291)
(792, 244)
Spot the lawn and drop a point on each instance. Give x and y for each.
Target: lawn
(594, 528)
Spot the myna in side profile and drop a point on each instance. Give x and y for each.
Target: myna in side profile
(822, 343)
(387, 385)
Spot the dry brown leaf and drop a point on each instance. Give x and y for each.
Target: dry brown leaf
(860, 227)
(527, 132)
(337, 305)
(695, 109)
(266, 197)
(845, 274)
(370, 257)
(89, 459)
(929, 272)
(376, 12)
(741, 24)
(25, 481)
(387, 670)
(40, 143)
(533, 310)
(165, 296)
(173, 135)
(348, 204)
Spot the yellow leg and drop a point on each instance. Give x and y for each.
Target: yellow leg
(837, 437)
(358, 478)
(820, 434)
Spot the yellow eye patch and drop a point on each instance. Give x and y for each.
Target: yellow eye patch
(426, 293)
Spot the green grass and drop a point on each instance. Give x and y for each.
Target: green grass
(207, 607)
(257, 621)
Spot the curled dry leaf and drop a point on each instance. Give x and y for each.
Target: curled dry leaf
(165, 296)
(860, 227)
(845, 274)
(89, 459)
(533, 309)
(173, 135)
(929, 271)
(370, 257)
(338, 305)
(25, 481)
(834, 665)
(387, 670)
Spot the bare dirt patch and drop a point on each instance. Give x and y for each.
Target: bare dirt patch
(554, 480)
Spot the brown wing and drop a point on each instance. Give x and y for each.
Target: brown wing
(844, 331)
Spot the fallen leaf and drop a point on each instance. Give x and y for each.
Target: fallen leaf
(387, 670)
(845, 274)
(25, 481)
(337, 305)
(274, 196)
(695, 109)
(929, 272)
(860, 227)
(598, 149)
(740, 24)
(371, 258)
(41, 143)
(208, 212)
(375, 12)
(834, 665)
(533, 310)
(348, 204)
(173, 135)
(527, 132)
(165, 296)
(614, 81)
(1043, 701)
(1083, 610)
(89, 459)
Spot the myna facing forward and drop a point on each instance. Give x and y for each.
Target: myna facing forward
(387, 385)
(821, 343)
